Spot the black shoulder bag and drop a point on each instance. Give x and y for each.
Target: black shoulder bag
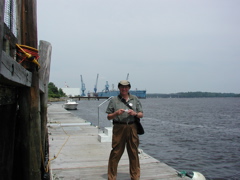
(140, 129)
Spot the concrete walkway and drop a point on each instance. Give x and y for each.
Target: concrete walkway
(76, 153)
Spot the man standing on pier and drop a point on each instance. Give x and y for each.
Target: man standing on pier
(124, 130)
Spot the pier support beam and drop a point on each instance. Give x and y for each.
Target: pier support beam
(29, 122)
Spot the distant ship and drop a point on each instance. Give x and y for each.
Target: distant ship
(108, 93)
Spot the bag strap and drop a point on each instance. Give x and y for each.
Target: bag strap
(124, 101)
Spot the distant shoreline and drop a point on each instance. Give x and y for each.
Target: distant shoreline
(191, 95)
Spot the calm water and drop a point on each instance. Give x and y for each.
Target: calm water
(197, 134)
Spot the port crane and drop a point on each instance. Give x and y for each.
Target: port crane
(106, 87)
(95, 87)
(83, 87)
(127, 76)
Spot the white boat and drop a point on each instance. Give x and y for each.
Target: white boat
(70, 104)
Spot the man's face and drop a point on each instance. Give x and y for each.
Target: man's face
(124, 89)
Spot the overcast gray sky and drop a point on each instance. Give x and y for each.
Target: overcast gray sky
(166, 46)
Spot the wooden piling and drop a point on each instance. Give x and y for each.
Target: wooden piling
(29, 109)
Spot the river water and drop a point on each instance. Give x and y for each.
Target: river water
(195, 134)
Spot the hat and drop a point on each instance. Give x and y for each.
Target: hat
(124, 83)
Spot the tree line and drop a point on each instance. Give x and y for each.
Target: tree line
(192, 95)
(54, 92)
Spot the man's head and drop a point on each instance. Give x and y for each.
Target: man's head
(124, 83)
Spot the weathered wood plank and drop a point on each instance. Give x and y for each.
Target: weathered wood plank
(12, 71)
(45, 51)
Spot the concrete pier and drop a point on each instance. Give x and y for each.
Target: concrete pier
(77, 154)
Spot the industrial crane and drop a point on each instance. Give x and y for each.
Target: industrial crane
(127, 76)
(106, 87)
(83, 87)
(95, 87)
